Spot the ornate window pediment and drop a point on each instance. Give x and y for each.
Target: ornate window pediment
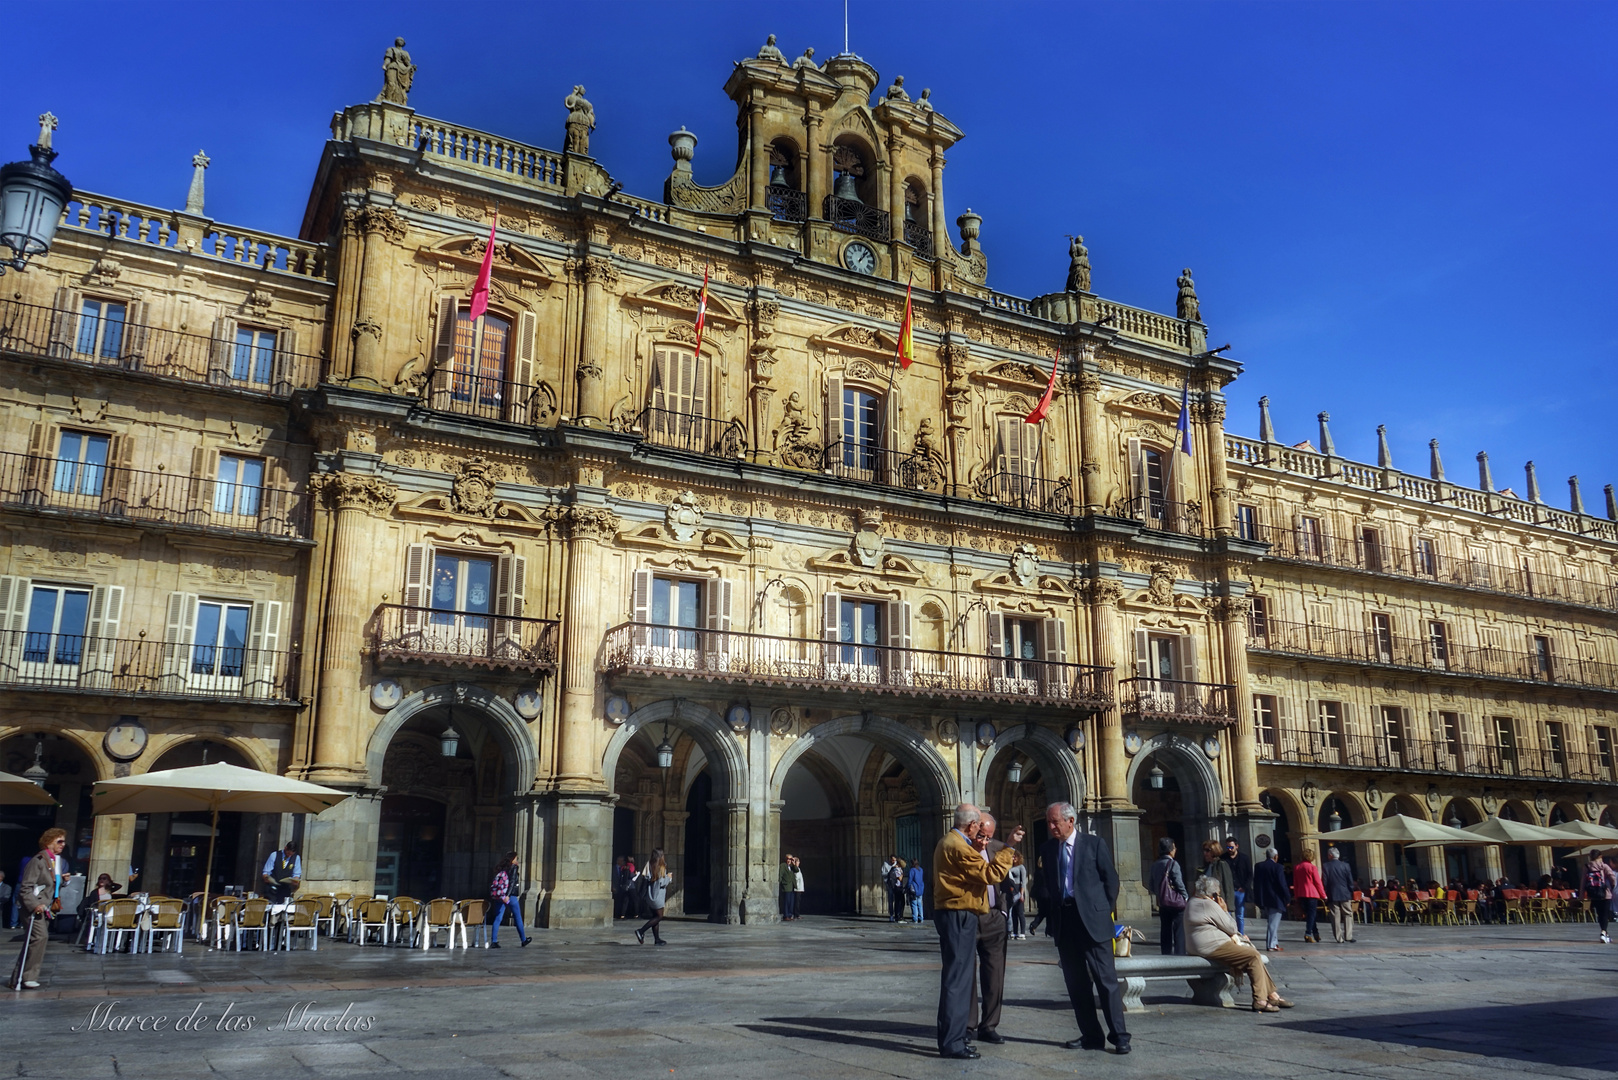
(465, 253)
(678, 296)
(856, 339)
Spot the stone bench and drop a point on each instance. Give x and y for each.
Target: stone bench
(1212, 983)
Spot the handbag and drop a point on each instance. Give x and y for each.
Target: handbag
(1168, 897)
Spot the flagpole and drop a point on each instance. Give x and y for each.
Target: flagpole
(898, 360)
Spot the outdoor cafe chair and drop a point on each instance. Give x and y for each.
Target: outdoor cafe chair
(406, 913)
(341, 904)
(224, 921)
(120, 917)
(301, 917)
(371, 916)
(253, 917)
(472, 917)
(1513, 909)
(326, 913)
(165, 916)
(436, 916)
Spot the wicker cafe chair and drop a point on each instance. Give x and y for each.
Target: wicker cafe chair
(167, 917)
(436, 916)
(326, 914)
(302, 917)
(118, 918)
(224, 920)
(472, 916)
(406, 912)
(1514, 906)
(342, 908)
(253, 917)
(371, 916)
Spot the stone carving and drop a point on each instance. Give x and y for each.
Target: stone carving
(793, 443)
(107, 271)
(1105, 591)
(807, 60)
(600, 271)
(949, 732)
(1025, 565)
(1161, 589)
(355, 491)
(684, 516)
(366, 326)
(592, 522)
(1373, 795)
(1232, 608)
(1078, 270)
(412, 377)
(1542, 807)
(1185, 305)
(868, 539)
(1310, 794)
(1433, 798)
(376, 219)
(1154, 402)
(581, 120)
(770, 52)
(896, 92)
(924, 104)
(398, 74)
(472, 492)
(1490, 803)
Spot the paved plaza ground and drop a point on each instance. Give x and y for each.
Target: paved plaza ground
(837, 998)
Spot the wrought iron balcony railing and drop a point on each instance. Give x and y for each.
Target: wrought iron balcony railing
(861, 219)
(1372, 646)
(920, 237)
(51, 485)
(1025, 492)
(112, 342)
(1162, 514)
(81, 664)
(786, 204)
(759, 659)
(1360, 751)
(698, 434)
(484, 396)
(875, 465)
(464, 638)
(1176, 702)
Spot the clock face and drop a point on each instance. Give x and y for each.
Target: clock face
(859, 258)
(125, 740)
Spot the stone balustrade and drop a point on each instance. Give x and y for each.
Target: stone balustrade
(469, 147)
(125, 220)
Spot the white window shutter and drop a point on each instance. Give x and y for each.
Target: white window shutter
(519, 410)
(1137, 470)
(42, 450)
(832, 607)
(418, 569)
(264, 645)
(223, 362)
(640, 605)
(178, 633)
(101, 647)
(997, 634)
(716, 603)
(1286, 731)
(120, 462)
(898, 624)
(657, 385)
(204, 479)
(1143, 656)
(834, 410)
(697, 405)
(135, 327)
(14, 594)
(890, 422)
(511, 585)
(285, 374)
(444, 346)
(1187, 655)
(1055, 641)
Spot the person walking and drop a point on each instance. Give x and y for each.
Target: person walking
(1241, 874)
(797, 888)
(1338, 881)
(788, 879)
(657, 877)
(990, 988)
(1600, 883)
(1167, 885)
(896, 890)
(916, 887)
(1017, 901)
(1310, 891)
(1212, 933)
(1271, 894)
(505, 889)
(961, 880)
(39, 891)
(1082, 884)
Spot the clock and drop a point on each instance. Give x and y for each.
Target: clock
(859, 257)
(125, 740)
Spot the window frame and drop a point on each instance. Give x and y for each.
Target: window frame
(229, 496)
(249, 358)
(98, 339)
(78, 469)
(1247, 525)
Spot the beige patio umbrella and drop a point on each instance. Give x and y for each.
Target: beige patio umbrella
(1505, 831)
(1398, 829)
(216, 787)
(1582, 831)
(20, 791)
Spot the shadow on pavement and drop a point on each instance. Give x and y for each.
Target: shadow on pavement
(824, 1029)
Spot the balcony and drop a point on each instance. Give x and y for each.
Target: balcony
(920, 237)
(1314, 641)
(48, 486)
(693, 433)
(853, 216)
(1309, 546)
(786, 204)
(1161, 514)
(483, 396)
(814, 663)
(464, 639)
(105, 342)
(850, 460)
(75, 663)
(1025, 492)
(1355, 751)
(1169, 701)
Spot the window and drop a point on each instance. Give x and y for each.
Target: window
(1246, 522)
(81, 463)
(862, 435)
(678, 398)
(1542, 657)
(1329, 726)
(479, 365)
(1162, 652)
(1604, 749)
(1426, 556)
(1505, 741)
(217, 646)
(1555, 744)
(240, 489)
(1371, 549)
(1382, 637)
(1154, 472)
(56, 622)
(1264, 720)
(1015, 480)
(1320, 623)
(1393, 733)
(101, 328)
(860, 623)
(1449, 730)
(220, 643)
(1311, 538)
(1258, 620)
(254, 358)
(1438, 644)
(676, 603)
(1478, 567)
(1490, 637)
(1020, 646)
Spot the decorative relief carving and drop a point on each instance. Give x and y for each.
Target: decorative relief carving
(472, 492)
(793, 441)
(355, 491)
(600, 271)
(366, 220)
(684, 516)
(1025, 565)
(592, 522)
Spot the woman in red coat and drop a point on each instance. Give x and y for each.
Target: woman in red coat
(1310, 891)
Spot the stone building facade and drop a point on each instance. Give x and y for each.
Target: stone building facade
(565, 581)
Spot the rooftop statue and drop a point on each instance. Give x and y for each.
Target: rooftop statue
(896, 92)
(770, 52)
(923, 104)
(581, 120)
(1078, 269)
(398, 73)
(807, 60)
(1185, 305)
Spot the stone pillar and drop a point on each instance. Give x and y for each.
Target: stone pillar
(339, 846)
(112, 846)
(378, 225)
(759, 158)
(896, 187)
(591, 410)
(1091, 433)
(579, 768)
(1107, 648)
(581, 892)
(736, 863)
(816, 162)
(941, 242)
(1120, 828)
(1231, 614)
(352, 498)
(1212, 416)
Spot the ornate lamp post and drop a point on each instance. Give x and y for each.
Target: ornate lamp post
(32, 195)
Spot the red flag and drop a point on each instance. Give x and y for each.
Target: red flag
(702, 310)
(907, 343)
(1044, 405)
(480, 289)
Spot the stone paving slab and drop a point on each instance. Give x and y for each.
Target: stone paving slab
(840, 999)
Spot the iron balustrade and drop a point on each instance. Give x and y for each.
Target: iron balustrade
(689, 431)
(1371, 646)
(1025, 492)
(51, 485)
(488, 397)
(1177, 701)
(1162, 514)
(466, 638)
(1295, 746)
(861, 219)
(1382, 557)
(104, 341)
(122, 666)
(786, 204)
(730, 656)
(920, 237)
(852, 460)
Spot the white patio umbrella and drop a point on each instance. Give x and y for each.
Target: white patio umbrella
(1398, 829)
(1505, 831)
(20, 791)
(216, 787)
(1582, 831)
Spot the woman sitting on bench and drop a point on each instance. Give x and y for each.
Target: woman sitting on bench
(1211, 932)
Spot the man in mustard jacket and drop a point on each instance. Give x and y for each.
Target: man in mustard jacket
(961, 880)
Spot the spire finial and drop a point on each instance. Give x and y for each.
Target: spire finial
(1533, 483)
(193, 198)
(1575, 496)
(1384, 456)
(1327, 447)
(1266, 428)
(1435, 463)
(1485, 477)
(47, 124)
(1612, 503)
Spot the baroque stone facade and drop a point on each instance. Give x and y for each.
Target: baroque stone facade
(489, 574)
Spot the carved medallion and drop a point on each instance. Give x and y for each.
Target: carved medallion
(1025, 565)
(684, 516)
(473, 490)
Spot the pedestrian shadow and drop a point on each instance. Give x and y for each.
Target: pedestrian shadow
(1575, 1033)
(843, 1032)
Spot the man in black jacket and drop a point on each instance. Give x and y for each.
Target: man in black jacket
(1241, 873)
(1272, 895)
(1338, 878)
(1081, 886)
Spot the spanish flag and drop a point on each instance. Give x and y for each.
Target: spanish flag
(702, 311)
(1044, 405)
(907, 344)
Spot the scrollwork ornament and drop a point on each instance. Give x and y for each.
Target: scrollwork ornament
(367, 326)
(600, 271)
(1105, 591)
(592, 522)
(1088, 382)
(366, 220)
(355, 491)
(1232, 608)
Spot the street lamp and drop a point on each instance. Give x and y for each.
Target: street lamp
(1155, 777)
(450, 740)
(665, 751)
(32, 195)
(37, 771)
(1014, 772)
(1334, 822)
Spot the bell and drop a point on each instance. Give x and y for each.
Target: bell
(845, 187)
(778, 176)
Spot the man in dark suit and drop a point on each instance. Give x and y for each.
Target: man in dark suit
(990, 988)
(1082, 886)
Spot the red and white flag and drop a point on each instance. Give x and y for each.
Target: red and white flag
(480, 289)
(1044, 405)
(907, 336)
(702, 311)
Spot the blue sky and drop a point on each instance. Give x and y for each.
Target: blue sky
(1396, 213)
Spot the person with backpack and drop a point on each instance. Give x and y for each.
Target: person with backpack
(504, 892)
(1600, 881)
(655, 880)
(1167, 886)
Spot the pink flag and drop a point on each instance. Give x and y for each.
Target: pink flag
(1044, 405)
(480, 290)
(702, 311)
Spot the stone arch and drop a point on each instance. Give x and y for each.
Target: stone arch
(706, 728)
(1571, 811)
(79, 740)
(1359, 809)
(1408, 805)
(509, 729)
(1064, 779)
(1291, 804)
(1469, 810)
(920, 758)
(1205, 801)
(254, 753)
(832, 782)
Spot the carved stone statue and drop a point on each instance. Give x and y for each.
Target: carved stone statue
(398, 73)
(792, 442)
(896, 92)
(1078, 269)
(770, 52)
(923, 104)
(927, 464)
(1186, 306)
(925, 447)
(581, 120)
(807, 60)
